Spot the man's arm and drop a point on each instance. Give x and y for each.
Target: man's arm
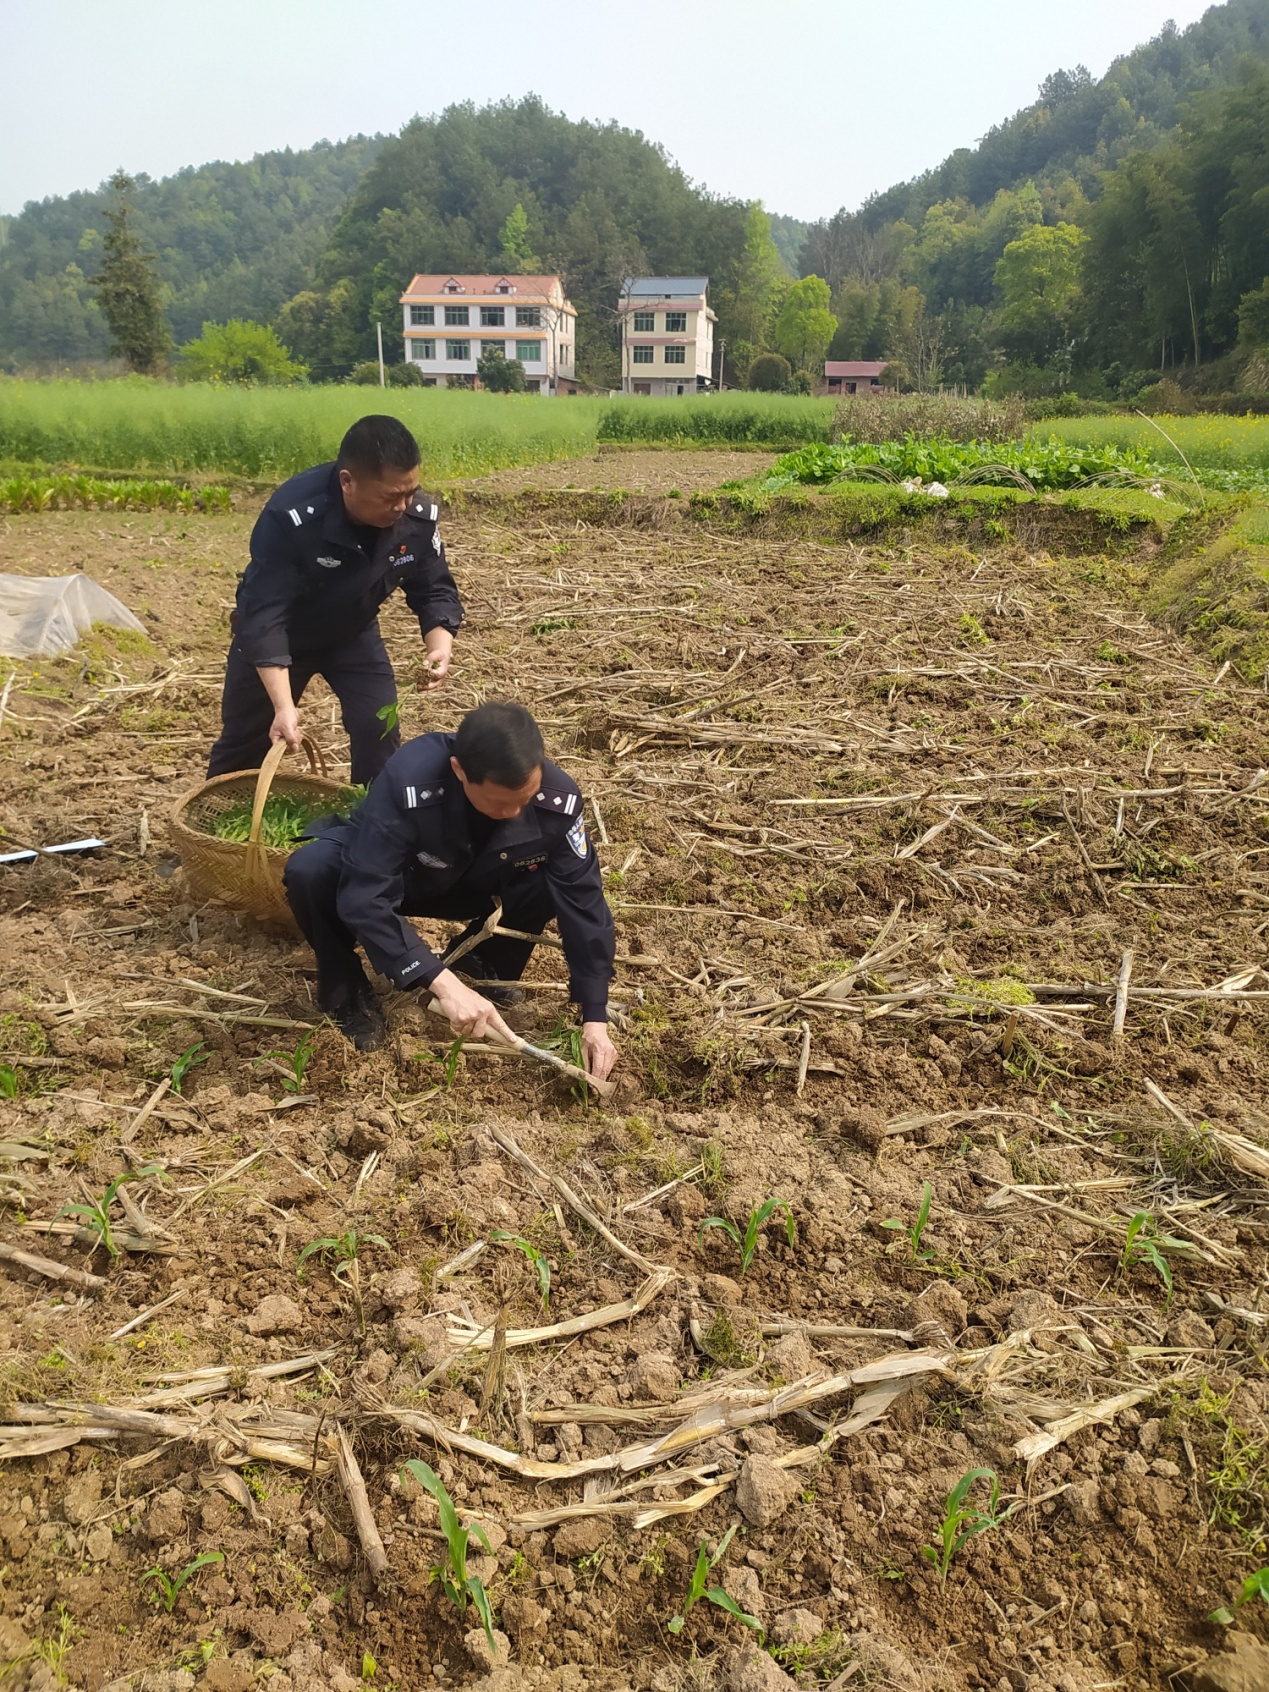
(371, 891)
(432, 594)
(586, 931)
(266, 595)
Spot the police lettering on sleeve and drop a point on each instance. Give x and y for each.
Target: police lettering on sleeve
(315, 580)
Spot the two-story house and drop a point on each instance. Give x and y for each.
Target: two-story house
(449, 321)
(667, 335)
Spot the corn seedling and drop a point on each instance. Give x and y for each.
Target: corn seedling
(180, 1069)
(10, 1083)
(389, 716)
(345, 1248)
(168, 1588)
(747, 1243)
(295, 1063)
(699, 1588)
(1141, 1245)
(1255, 1586)
(962, 1521)
(916, 1254)
(95, 1213)
(537, 1258)
(459, 1587)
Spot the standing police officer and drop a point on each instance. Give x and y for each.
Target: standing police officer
(326, 551)
(454, 822)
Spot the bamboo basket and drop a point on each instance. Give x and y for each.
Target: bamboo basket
(245, 875)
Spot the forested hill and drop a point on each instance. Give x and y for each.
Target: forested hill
(600, 203)
(232, 240)
(1077, 128)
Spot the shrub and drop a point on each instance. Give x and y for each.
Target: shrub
(238, 352)
(365, 374)
(404, 376)
(769, 373)
(500, 374)
(1164, 399)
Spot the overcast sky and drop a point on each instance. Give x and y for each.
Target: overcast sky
(804, 104)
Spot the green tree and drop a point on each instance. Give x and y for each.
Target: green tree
(751, 306)
(1039, 277)
(128, 288)
(805, 325)
(238, 352)
(769, 373)
(500, 374)
(517, 256)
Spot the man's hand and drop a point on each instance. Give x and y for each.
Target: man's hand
(471, 1016)
(439, 645)
(286, 726)
(276, 679)
(598, 1051)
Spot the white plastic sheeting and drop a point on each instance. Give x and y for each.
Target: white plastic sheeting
(44, 615)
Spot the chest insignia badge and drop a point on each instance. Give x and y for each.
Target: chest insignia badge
(330, 563)
(429, 862)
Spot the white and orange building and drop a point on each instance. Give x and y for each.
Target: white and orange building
(667, 335)
(449, 321)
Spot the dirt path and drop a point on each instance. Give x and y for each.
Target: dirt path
(1017, 781)
(632, 471)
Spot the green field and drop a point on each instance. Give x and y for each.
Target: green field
(271, 433)
(1227, 452)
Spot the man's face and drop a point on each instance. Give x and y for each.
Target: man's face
(378, 501)
(501, 803)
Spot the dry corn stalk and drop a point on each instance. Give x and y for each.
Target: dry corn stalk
(462, 1332)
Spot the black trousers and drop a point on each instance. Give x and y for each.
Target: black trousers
(312, 888)
(359, 674)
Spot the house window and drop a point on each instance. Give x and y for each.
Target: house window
(565, 353)
(643, 355)
(458, 350)
(422, 349)
(644, 322)
(504, 288)
(455, 316)
(676, 323)
(421, 316)
(676, 355)
(529, 352)
(528, 317)
(492, 317)
(494, 346)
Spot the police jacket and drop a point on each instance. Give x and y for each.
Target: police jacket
(411, 827)
(314, 580)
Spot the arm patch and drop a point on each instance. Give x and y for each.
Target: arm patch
(576, 837)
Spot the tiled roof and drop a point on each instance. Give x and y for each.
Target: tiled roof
(538, 287)
(667, 285)
(853, 369)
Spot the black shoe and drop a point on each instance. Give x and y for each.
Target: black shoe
(360, 1019)
(477, 972)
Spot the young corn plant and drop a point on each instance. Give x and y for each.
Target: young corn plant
(699, 1588)
(1142, 1245)
(961, 1521)
(1255, 1586)
(916, 1252)
(95, 1212)
(188, 1059)
(747, 1243)
(345, 1248)
(389, 716)
(458, 1586)
(10, 1081)
(168, 1588)
(538, 1259)
(295, 1064)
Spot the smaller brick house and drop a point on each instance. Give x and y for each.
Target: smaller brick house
(853, 376)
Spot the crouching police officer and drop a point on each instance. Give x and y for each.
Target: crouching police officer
(455, 822)
(327, 550)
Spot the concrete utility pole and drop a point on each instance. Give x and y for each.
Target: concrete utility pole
(379, 327)
(722, 355)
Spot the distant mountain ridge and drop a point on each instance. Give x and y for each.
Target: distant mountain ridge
(232, 240)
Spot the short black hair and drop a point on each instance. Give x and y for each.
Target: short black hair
(375, 444)
(499, 742)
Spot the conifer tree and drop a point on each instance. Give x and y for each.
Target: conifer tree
(128, 287)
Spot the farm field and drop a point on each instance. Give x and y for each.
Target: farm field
(267, 434)
(1236, 448)
(880, 824)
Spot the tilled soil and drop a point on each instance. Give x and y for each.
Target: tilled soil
(904, 987)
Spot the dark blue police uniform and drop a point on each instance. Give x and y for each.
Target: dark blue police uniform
(408, 850)
(309, 600)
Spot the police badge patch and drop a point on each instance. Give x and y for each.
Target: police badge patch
(577, 837)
